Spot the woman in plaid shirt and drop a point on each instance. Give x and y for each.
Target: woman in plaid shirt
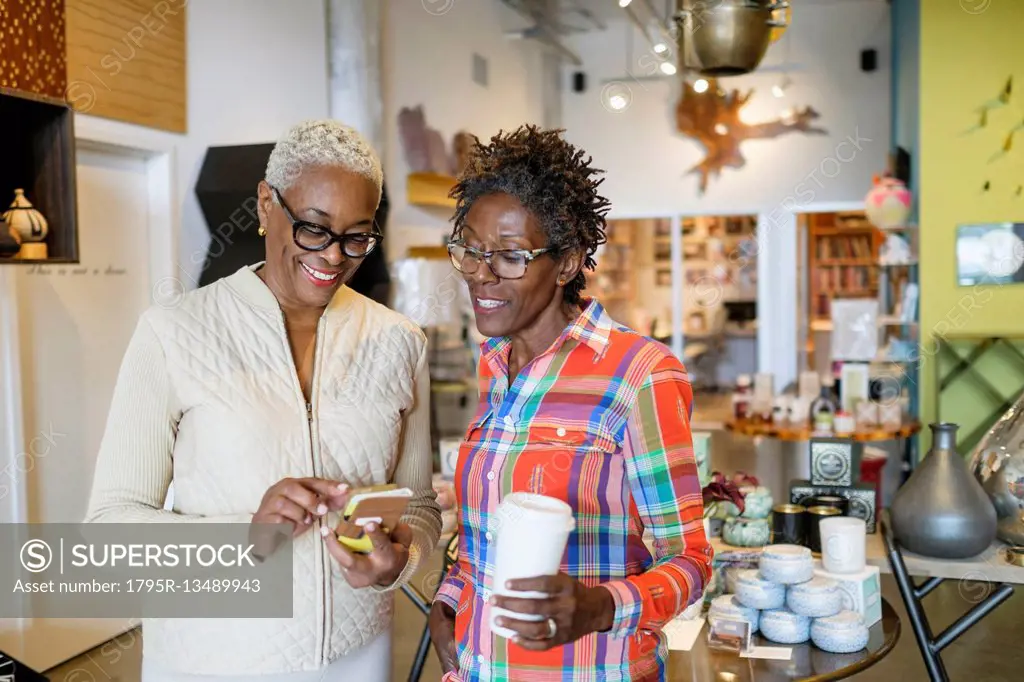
(574, 406)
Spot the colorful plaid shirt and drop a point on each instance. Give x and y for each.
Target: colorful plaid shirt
(600, 420)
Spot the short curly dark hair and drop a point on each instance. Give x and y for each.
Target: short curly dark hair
(551, 178)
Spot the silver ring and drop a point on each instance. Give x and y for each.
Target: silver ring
(552, 628)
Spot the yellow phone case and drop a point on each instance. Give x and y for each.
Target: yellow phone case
(389, 509)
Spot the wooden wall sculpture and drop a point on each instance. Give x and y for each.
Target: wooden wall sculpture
(712, 118)
(32, 47)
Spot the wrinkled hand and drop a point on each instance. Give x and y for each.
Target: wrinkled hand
(383, 565)
(576, 609)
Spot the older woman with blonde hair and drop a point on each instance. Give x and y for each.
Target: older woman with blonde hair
(265, 396)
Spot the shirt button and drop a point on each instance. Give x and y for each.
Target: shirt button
(560, 431)
(489, 535)
(508, 420)
(480, 658)
(490, 475)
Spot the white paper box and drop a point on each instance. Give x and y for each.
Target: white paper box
(862, 592)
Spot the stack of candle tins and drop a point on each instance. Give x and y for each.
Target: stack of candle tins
(790, 600)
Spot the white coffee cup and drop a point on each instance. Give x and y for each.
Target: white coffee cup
(843, 544)
(530, 532)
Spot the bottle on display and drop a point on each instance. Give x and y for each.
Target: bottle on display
(824, 409)
(741, 399)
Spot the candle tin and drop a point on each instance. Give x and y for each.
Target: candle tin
(840, 502)
(785, 627)
(842, 633)
(727, 607)
(755, 592)
(814, 517)
(786, 564)
(789, 524)
(816, 598)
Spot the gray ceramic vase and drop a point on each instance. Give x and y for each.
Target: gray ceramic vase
(942, 511)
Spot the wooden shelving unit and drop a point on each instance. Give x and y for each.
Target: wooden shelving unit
(842, 260)
(39, 157)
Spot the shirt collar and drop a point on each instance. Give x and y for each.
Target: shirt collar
(591, 327)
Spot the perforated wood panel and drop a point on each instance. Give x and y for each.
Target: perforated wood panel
(32, 46)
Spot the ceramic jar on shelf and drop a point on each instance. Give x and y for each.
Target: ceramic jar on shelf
(888, 203)
(30, 225)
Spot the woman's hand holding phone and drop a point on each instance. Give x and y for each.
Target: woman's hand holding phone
(298, 501)
(382, 565)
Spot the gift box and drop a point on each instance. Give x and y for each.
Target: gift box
(862, 592)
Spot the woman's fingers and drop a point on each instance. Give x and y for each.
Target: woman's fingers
(382, 547)
(288, 509)
(530, 607)
(332, 494)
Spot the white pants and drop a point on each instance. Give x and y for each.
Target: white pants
(372, 663)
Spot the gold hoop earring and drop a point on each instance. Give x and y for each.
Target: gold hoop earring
(262, 231)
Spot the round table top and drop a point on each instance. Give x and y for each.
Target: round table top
(807, 663)
(803, 433)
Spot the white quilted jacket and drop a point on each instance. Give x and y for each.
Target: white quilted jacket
(208, 396)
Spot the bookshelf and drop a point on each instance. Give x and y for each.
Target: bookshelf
(842, 260)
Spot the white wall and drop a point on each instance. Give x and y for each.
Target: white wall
(255, 68)
(427, 59)
(648, 161)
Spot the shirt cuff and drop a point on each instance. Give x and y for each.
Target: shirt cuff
(411, 566)
(449, 592)
(628, 608)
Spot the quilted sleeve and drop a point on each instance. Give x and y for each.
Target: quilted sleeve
(133, 469)
(415, 470)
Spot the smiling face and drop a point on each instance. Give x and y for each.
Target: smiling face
(508, 307)
(331, 197)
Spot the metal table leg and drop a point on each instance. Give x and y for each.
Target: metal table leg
(912, 595)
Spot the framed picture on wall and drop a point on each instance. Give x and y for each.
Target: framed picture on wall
(991, 253)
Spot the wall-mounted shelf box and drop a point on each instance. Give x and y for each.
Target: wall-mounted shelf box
(39, 157)
(429, 189)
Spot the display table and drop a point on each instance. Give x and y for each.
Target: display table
(991, 571)
(807, 662)
(805, 433)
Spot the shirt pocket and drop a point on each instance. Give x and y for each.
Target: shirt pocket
(579, 464)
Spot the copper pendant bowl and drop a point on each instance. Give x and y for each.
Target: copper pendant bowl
(719, 38)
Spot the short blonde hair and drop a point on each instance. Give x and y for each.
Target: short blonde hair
(321, 143)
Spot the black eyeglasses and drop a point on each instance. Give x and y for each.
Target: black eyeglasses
(313, 237)
(504, 263)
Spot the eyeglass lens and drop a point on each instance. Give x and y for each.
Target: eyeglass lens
(504, 264)
(354, 245)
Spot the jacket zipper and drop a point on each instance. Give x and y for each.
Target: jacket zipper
(313, 451)
(318, 471)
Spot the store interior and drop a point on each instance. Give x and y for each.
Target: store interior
(831, 238)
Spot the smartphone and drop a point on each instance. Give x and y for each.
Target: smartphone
(383, 505)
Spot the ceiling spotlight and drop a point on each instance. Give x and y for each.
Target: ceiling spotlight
(660, 48)
(668, 68)
(624, 3)
(779, 89)
(618, 102)
(721, 129)
(701, 85)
